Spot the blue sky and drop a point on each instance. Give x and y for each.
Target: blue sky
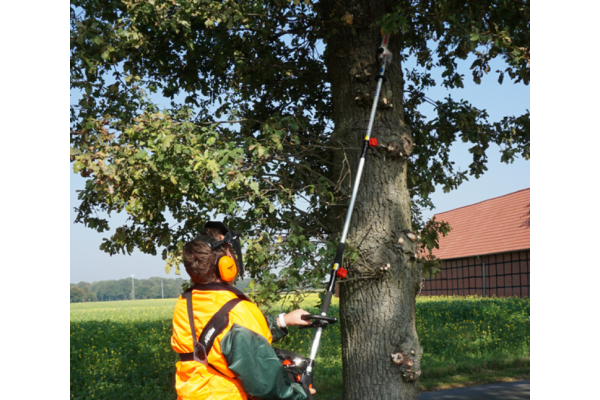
(88, 263)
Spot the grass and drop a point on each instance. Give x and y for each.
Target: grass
(465, 335)
(121, 350)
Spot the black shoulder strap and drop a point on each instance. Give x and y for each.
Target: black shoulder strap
(213, 328)
(217, 324)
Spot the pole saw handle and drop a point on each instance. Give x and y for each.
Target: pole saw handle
(329, 320)
(319, 321)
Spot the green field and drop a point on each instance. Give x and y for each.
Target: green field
(121, 350)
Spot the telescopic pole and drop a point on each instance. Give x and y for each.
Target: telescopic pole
(320, 322)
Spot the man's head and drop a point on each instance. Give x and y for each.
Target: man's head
(200, 261)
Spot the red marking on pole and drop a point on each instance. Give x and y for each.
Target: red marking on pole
(341, 272)
(373, 142)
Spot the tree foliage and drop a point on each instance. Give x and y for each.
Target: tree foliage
(195, 109)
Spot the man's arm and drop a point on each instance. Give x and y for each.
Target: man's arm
(276, 331)
(254, 362)
(291, 319)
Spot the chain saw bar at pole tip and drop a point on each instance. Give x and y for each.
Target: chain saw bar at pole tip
(384, 56)
(319, 321)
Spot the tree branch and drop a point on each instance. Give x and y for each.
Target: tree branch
(230, 122)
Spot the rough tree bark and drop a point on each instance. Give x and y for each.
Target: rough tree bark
(378, 311)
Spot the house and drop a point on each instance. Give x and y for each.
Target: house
(487, 253)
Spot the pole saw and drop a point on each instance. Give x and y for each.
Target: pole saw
(320, 322)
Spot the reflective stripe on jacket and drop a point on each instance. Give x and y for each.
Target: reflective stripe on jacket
(242, 363)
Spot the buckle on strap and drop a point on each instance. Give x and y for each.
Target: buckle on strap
(199, 355)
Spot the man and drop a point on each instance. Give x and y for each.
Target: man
(239, 362)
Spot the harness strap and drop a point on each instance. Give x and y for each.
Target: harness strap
(186, 356)
(199, 352)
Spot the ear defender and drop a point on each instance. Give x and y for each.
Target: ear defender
(227, 268)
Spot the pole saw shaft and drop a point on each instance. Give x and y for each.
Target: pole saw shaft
(385, 57)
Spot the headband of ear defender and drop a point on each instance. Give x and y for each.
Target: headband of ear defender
(227, 266)
(231, 237)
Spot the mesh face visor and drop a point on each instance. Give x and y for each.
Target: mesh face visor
(231, 238)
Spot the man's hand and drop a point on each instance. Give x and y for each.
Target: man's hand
(293, 318)
(312, 391)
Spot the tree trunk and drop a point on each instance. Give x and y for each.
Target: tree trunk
(377, 307)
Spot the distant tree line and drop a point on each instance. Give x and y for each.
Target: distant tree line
(81, 292)
(121, 289)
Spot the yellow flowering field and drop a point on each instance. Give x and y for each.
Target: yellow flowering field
(121, 350)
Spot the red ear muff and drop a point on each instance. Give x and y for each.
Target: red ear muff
(227, 268)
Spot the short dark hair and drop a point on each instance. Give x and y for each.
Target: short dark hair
(200, 261)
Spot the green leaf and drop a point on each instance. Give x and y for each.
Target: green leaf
(140, 154)
(167, 142)
(166, 240)
(254, 186)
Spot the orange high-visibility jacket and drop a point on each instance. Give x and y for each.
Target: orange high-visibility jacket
(255, 369)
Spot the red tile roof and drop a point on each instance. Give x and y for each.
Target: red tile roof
(492, 226)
